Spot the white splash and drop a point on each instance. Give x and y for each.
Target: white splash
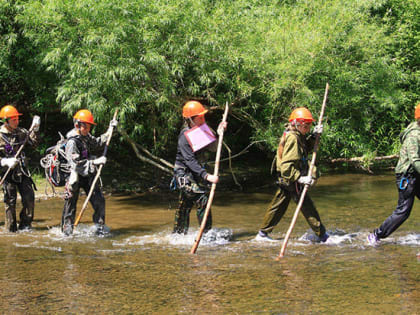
(410, 239)
(83, 232)
(37, 245)
(336, 237)
(212, 238)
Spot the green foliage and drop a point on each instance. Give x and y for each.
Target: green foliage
(148, 57)
(23, 81)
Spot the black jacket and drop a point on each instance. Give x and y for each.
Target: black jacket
(186, 158)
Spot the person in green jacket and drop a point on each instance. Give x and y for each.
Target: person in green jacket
(407, 173)
(292, 168)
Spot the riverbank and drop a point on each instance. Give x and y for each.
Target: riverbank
(243, 174)
(246, 174)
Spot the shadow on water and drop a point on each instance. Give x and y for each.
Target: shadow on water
(141, 267)
(132, 230)
(241, 235)
(39, 220)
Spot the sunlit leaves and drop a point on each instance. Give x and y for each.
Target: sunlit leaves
(266, 57)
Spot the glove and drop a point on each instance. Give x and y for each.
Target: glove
(306, 180)
(9, 162)
(318, 129)
(73, 178)
(99, 161)
(212, 178)
(36, 121)
(221, 128)
(113, 123)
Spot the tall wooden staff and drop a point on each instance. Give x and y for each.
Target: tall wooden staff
(18, 152)
(213, 186)
(97, 174)
(305, 189)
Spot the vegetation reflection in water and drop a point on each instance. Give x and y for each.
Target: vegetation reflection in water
(140, 267)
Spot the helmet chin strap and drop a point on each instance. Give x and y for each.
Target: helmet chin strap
(79, 124)
(192, 123)
(7, 124)
(295, 122)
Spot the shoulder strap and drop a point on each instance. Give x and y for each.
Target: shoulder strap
(76, 139)
(279, 153)
(5, 138)
(281, 145)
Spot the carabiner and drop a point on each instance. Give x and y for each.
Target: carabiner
(172, 185)
(404, 183)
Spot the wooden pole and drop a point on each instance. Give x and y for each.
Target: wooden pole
(17, 154)
(305, 189)
(213, 186)
(98, 173)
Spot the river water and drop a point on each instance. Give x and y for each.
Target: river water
(139, 267)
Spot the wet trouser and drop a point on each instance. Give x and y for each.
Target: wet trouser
(97, 201)
(26, 191)
(405, 204)
(279, 205)
(182, 214)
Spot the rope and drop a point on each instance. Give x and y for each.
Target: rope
(52, 160)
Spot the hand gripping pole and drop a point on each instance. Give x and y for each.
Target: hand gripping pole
(305, 189)
(213, 186)
(98, 173)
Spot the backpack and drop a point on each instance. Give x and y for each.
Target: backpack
(279, 154)
(55, 164)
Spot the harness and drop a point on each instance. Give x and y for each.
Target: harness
(11, 142)
(184, 180)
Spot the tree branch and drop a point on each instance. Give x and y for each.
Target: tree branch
(243, 151)
(361, 159)
(136, 147)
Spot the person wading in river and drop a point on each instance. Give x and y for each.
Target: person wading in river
(79, 148)
(19, 178)
(189, 172)
(292, 170)
(407, 173)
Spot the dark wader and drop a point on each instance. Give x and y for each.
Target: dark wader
(97, 201)
(26, 191)
(408, 188)
(18, 180)
(279, 205)
(190, 194)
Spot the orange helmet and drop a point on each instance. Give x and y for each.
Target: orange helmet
(8, 111)
(301, 114)
(193, 108)
(85, 116)
(417, 111)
